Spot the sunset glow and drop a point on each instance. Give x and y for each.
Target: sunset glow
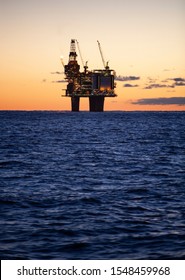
(143, 41)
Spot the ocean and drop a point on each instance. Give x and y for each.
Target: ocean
(84, 185)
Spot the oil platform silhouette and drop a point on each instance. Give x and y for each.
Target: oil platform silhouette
(95, 85)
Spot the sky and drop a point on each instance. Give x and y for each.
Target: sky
(143, 40)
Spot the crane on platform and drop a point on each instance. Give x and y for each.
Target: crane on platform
(80, 53)
(102, 57)
(62, 60)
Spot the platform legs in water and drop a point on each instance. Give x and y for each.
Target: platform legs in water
(96, 103)
(75, 103)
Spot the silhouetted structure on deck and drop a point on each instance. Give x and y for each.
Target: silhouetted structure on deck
(96, 84)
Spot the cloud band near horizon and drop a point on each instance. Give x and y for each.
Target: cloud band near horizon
(179, 101)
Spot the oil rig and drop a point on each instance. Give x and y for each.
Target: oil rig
(95, 85)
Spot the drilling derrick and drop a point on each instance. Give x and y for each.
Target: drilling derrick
(96, 84)
(72, 69)
(72, 72)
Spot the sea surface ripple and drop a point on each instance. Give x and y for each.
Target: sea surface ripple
(87, 185)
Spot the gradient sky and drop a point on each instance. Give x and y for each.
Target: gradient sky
(143, 40)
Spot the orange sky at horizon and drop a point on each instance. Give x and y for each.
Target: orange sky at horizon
(144, 42)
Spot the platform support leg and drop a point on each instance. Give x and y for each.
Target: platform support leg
(75, 103)
(96, 103)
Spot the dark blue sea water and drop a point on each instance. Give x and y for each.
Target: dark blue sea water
(92, 185)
